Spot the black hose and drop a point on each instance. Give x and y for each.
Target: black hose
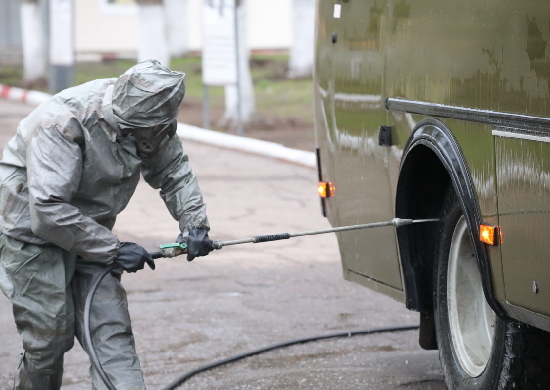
(88, 335)
(179, 381)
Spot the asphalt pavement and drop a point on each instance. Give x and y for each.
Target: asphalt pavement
(250, 296)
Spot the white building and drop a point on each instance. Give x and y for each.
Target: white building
(110, 27)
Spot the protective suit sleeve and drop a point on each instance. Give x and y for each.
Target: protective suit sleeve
(170, 171)
(54, 167)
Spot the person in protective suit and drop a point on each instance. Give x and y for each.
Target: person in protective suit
(69, 171)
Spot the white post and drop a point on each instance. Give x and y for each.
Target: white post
(62, 58)
(248, 104)
(240, 125)
(34, 55)
(177, 15)
(301, 52)
(153, 42)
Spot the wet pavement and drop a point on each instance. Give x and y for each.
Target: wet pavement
(250, 296)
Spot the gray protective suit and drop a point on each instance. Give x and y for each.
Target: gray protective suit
(65, 176)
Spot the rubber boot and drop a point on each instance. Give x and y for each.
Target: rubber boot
(32, 377)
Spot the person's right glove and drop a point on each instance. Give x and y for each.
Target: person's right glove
(132, 257)
(198, 243)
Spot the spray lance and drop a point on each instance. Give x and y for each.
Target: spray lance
(177, 249)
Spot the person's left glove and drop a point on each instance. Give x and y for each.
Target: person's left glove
(132, 257)
(198, 243)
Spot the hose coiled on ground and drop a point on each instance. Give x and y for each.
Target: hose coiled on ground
(179, 381)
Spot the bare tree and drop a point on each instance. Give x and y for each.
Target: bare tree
(153, 40)
(301, 52)
(34, 53)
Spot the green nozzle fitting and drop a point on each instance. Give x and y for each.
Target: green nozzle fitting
(181, 245)
(173, 250)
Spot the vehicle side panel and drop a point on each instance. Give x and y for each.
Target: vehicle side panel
(483, 54)
(354, 110)
(487, 55)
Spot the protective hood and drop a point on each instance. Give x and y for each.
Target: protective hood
(147, 95)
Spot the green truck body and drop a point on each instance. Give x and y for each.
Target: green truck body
(447, 53)
(464, 88)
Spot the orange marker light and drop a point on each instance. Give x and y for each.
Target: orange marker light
(322, 189)
(489, 234)
(326, 189)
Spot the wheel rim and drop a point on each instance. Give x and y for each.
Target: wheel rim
(470, 317)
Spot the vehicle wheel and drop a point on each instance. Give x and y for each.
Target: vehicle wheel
(477, 350)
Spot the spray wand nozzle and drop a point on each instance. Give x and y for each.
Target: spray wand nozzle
(173, 250)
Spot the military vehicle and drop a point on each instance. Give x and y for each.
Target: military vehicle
(441, 109)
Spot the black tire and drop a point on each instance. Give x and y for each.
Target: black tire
(517, 356)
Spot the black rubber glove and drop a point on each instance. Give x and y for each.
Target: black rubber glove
(198, 243)
(132, 257)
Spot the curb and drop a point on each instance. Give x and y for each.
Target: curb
(23, 95)
(194, 133)
(248, 145)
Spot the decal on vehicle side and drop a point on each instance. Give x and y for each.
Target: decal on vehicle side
(337, 11)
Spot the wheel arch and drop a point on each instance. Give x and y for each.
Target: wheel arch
(432, 159)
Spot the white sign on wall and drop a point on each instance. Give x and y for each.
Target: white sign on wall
(219, 57)
(61, 32)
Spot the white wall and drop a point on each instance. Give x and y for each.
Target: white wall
(103, 28)
(195, 41)
(269, 24)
